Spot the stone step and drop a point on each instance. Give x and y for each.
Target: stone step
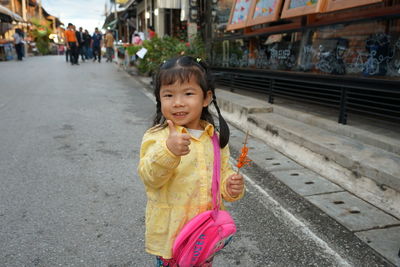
(376, 136)
(242, 105)
(381, 166)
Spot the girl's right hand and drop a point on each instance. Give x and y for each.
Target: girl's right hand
(177, 143)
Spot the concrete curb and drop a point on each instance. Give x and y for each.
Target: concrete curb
(310, 153)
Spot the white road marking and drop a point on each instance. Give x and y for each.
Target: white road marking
(279, 211)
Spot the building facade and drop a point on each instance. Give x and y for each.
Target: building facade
(339, 53)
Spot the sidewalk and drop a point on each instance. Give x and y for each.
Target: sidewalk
(350, 172)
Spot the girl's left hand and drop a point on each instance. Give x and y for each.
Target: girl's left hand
(235, 185)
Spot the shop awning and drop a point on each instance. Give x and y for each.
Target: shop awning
(6, 13)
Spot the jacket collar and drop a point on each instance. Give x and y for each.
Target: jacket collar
(208, 128)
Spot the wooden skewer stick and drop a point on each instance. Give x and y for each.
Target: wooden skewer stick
(244, 154)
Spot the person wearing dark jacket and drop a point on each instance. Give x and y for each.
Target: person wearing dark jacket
(81, 41)
(19, 43)
(87, 41)
(97, 41)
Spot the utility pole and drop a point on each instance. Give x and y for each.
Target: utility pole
(116, 20)
(12, 6)
(145, 17)
(24, 10)
(24, 18)
(40, 10)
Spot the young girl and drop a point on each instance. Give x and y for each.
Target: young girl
(176, 157)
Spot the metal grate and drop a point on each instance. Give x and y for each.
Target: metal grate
(375, 97)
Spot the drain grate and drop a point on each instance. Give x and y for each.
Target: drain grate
(306, 182)
(351, 211)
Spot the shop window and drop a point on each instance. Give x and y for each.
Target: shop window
(362, 49)
(223, 10)
(277, 52)
(366, 49)
(233, 54)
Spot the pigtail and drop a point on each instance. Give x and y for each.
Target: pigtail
(223, 126)
(224, 132)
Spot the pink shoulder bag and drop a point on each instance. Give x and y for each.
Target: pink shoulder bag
(208, 232)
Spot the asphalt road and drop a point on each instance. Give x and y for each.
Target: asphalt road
(70, 194)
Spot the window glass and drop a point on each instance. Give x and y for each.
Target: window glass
(366, 49)
(369, 49)
(230, 53)
(277, 52)
(222, 12)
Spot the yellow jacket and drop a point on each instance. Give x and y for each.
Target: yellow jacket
(177, 187)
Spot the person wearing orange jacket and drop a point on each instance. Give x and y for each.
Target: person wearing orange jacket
(72, 43)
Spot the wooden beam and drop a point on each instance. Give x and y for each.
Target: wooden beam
(349, 16)
(276, 28)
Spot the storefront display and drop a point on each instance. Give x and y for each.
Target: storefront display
(367, 49)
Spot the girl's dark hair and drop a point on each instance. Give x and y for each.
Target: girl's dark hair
(182, 69)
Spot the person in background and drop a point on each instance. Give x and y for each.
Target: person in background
(19, 43)
(72, 43)
(109, 44)
(87, 40)
(150, 32)
(81, 41)
(137, 40)
(97, 40)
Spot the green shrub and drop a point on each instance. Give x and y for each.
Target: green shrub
(161, 49)
(132, 50)
(40, 32)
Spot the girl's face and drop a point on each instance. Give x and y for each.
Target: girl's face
(182, 103)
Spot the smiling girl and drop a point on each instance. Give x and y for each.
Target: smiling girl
(176, 157)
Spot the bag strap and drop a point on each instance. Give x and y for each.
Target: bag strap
(216, 196)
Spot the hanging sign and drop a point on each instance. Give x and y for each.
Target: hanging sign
(239, 14)
(295, 8)
(263, 11)
(333, 5)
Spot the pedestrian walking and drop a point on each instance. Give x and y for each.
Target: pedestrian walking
(150, 32)
(176, 156)
(97, 40)
(19, 43)
(87, 40)
(109, 44)
(72, 43)
(81, 42)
